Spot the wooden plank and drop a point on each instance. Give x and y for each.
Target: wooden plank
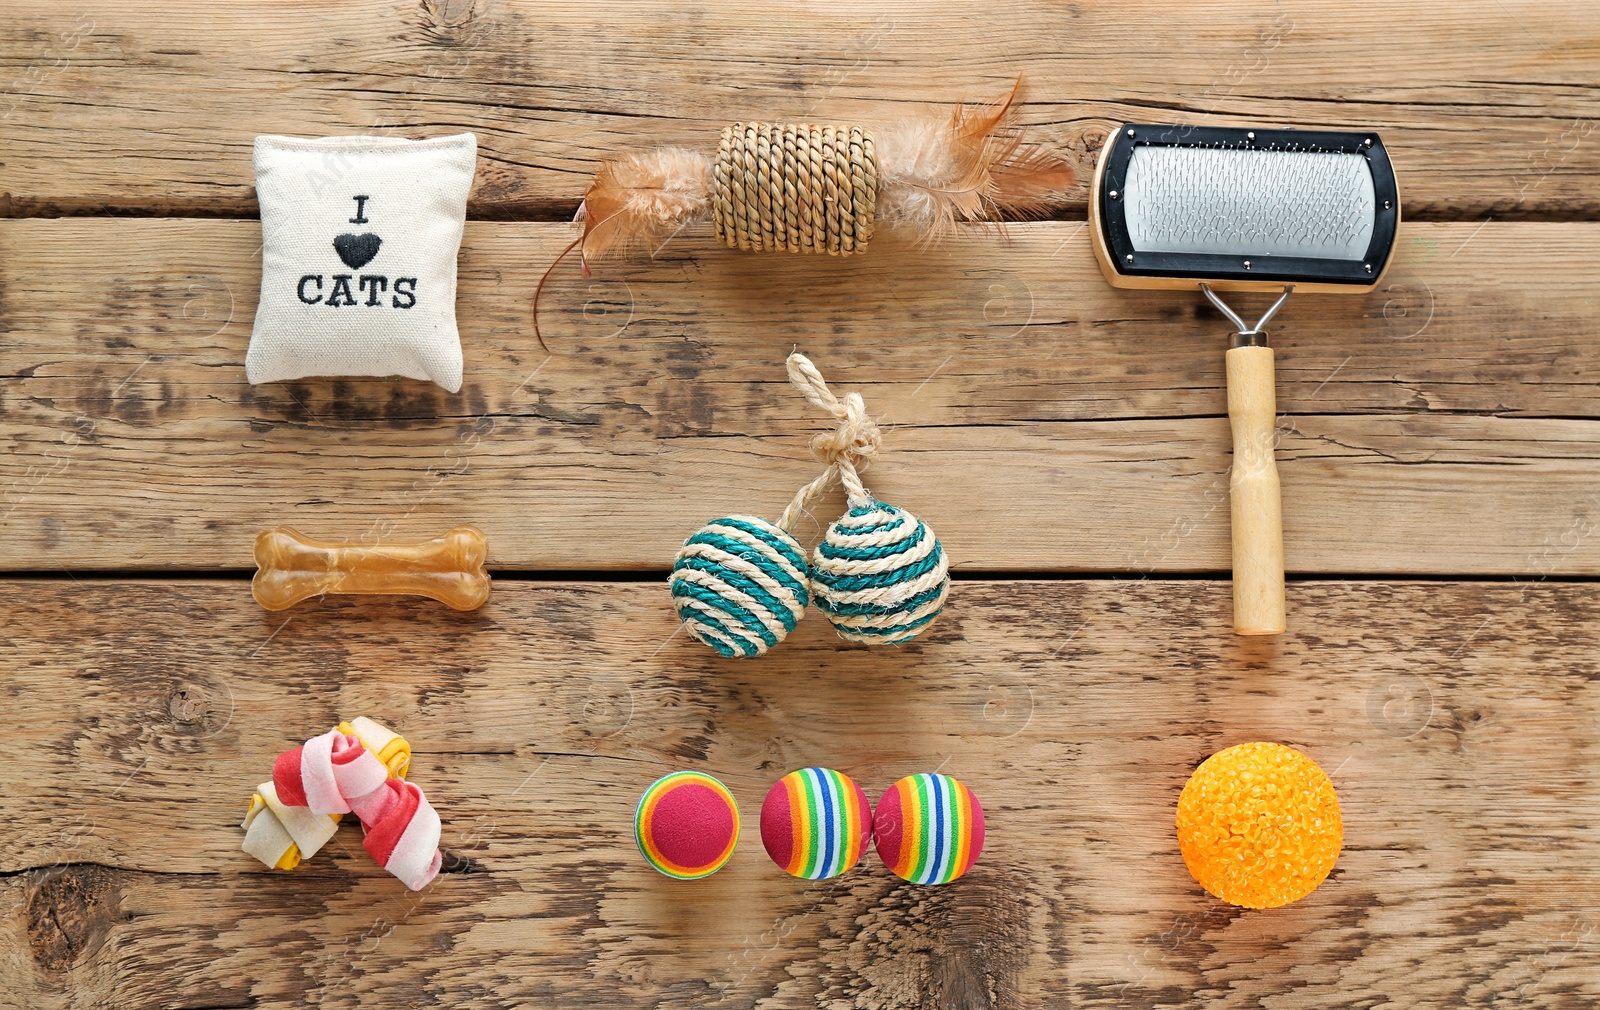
(1456, 719)
(1487, 108)
(1041, 421)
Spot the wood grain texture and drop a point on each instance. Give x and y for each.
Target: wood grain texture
(1445, 425)
(1457, 720)
(1040, 420)
(1487, 107)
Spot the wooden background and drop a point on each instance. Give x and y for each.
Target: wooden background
(1440, 456)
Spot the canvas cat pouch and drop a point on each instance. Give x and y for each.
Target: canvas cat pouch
(358, 257)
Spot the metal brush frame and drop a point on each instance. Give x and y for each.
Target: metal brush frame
(1306, 272)
(1248, 336)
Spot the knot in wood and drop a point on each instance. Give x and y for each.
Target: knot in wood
(200, 709)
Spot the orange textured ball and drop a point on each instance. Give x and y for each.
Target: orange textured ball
(1259, 825)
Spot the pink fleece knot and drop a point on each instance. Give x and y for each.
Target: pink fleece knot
(335, 774)
(326, 773)
(402, 832)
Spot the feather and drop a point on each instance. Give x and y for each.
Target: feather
(642, 198)
(1030, 182)
(972, 166)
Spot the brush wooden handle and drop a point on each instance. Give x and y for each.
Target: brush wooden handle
(294, 567)
(1258, 596)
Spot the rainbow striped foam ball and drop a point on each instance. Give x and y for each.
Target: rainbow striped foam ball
(687, 825)
(816, 823)
(879, 575)
(929, 829)
(740, 585)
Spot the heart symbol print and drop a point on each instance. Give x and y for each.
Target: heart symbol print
(357, 250)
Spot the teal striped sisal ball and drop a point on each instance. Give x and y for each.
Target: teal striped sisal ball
(740, 585)
(879, 575)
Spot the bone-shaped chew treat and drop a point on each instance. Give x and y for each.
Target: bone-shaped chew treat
(293, 567)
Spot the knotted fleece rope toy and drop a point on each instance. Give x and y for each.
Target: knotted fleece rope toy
(880, 576)
(357, 767)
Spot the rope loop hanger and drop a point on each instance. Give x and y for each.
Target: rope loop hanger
(848, 449)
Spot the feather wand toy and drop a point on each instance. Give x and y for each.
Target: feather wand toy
(803, 187)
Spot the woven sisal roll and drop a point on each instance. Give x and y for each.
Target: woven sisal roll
(795, 188)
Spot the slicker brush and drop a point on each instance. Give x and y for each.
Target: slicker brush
(1212, 209)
